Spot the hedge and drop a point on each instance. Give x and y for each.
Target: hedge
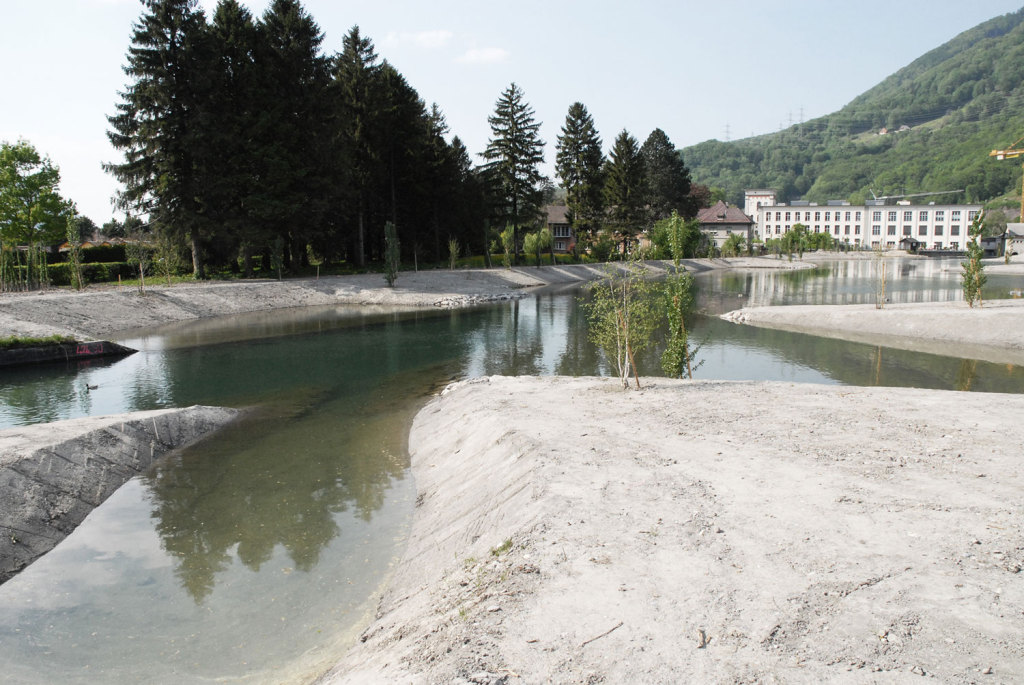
(60, 274)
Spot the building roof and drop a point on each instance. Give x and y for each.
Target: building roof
(557, 214)
(722, 213)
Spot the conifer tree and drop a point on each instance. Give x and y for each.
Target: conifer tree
(291, 178)
(355, 77)
(578, 163)
(443, 176)
(405, 136)
(157, 124)
(513, 156)
(624, 190)
(667, 179)
(231, 107)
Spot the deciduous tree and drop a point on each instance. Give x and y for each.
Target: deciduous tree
(32, 213)
(972, 278)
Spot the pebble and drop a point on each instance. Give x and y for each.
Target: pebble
(987, 671)
(493, 608)
(466, 300)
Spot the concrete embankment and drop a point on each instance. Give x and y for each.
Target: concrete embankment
(569, 531)
(992, 332)
(63, 352)
(52, 475)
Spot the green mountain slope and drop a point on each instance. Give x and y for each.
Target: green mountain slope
(943, 113)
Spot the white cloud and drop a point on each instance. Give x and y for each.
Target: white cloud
(484, 56)
(428, 40)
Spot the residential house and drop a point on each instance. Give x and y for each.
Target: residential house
(720, 221)
(558, 223)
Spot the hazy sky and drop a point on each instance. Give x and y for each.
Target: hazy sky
(697, 70)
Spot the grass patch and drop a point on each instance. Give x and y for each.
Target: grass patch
(502, 548)
(15, 343)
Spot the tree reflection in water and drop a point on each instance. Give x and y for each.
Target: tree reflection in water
(285, 486)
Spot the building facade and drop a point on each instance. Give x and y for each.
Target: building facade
(873, 225)
(720, 221)
(754, 200)
(1014, 239)
(557, 221)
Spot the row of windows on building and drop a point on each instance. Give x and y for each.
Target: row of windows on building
(876, 229)
(908, 215)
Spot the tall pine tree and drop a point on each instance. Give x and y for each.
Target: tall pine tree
(513, 156)
(157, 125)
(624, 188)
(292, 175)
(667, 179)
(355, 101)
(579, 164)
(228, 159)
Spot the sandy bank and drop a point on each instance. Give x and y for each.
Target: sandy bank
(52, 475)
(569, 531)
(101, 311)
(994, 332)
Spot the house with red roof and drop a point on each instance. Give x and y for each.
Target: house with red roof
(721, 220)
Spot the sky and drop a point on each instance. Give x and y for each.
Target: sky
(726, 69)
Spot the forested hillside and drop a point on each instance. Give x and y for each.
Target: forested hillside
(943, 114)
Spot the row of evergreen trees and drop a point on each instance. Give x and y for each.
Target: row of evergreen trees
(241, 138)
(627, 192)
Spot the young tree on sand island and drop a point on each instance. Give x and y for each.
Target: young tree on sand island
(973, 278)
(622, 316)
(678, 359)
(513, 156)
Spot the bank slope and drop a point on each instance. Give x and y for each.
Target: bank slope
(569, 531)
(52, 475)
(993, 332)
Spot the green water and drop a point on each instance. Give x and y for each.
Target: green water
(253, 556)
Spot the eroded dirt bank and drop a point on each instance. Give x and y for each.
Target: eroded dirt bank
(52, 475)
(993, 332)
(568, 531)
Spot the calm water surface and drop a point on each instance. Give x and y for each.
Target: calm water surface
(253, 556)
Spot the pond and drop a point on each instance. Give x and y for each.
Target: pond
(254, 556)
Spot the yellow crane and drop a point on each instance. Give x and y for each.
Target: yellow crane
(1013, 152)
